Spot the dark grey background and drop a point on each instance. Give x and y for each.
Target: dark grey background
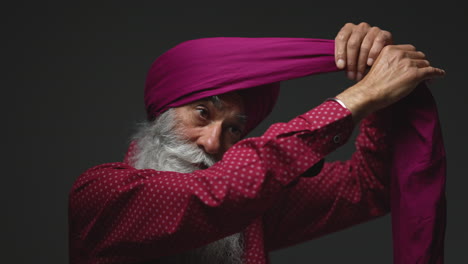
(73, 91)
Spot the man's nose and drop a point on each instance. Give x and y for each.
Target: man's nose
(210, 140)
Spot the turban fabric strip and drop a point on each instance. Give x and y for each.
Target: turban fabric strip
(211, 66)
(418, 204)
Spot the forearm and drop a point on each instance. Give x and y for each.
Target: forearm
(342, 195)
(358, 101)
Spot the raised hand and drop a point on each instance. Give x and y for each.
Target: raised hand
(357, 47)
(395, 73)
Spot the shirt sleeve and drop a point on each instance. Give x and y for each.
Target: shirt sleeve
(121, 214)
(343, 194)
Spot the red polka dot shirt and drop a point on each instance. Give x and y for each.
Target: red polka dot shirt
(119, 214)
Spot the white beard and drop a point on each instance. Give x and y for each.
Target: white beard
(161, 148)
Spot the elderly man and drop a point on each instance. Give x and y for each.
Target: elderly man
(192, 190)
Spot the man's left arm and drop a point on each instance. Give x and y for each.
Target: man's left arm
(343, 194)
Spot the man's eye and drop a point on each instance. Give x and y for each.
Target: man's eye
(235, 131)
(203, 112)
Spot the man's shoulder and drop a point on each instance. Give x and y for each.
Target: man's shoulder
(110, 166)
(106, 173)
(104, 170)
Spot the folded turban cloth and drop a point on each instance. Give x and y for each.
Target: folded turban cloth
(211, 66)
(255, 66)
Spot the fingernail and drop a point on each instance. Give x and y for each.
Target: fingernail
(370, 61)
(340, 63)
(359, 76)
(351, 75)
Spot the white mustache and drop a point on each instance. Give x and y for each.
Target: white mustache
(191, 154)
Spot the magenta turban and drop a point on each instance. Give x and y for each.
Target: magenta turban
(212, 66)
(255, 66)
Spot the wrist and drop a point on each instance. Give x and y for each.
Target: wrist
(358, 102)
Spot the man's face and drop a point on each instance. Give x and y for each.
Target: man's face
(214, 124)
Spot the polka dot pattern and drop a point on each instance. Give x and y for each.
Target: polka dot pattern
(119, 214)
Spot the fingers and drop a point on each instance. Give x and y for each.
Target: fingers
(366, 46)
(418, 60)
(371, 47)
(431, 72)
(420, 63)
(382, 39)
(407, 47)
(358, 46)
(341, 41)
(415, 55)
(353, 48)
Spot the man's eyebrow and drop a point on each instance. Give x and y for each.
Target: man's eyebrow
(242, 118)
(216, 102)
(219, 105)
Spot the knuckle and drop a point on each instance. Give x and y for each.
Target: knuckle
(353, 44)
(380, 39)
(400, 53)
(387, 48)
(375, 31)
(359, 33)
(364, 25)
(384, 37)
(413, 71)
(417, 74)
(386, 34)
(340, 37)
(365, 48)
(428, 71)
(349, 25)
